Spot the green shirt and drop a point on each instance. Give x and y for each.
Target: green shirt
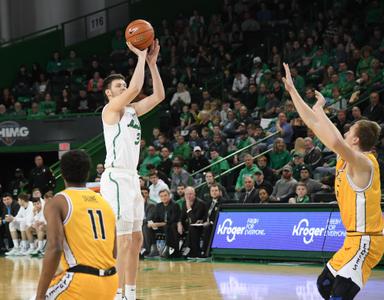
(73, 64)
(243, 143)
(277, 160)
(245, 172)
(320, 61)
(305, 199)
(299, 84)
(153, 160)
(327, 90)
(363, 65)
(183, 150)
(347, 88)
(220, 167)
(47, 107)
(180, 202)
(261, 101)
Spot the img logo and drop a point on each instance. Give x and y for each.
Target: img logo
(10, 131)
(230, 231)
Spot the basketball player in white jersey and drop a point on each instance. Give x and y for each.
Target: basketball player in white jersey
(119, 183)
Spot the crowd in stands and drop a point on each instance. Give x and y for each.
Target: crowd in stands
(224, 88)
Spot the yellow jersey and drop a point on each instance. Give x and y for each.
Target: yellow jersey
(89, 230)
(360, 209)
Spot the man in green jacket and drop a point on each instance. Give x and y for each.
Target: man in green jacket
(182, 149)
(249, 170)
(220, 167)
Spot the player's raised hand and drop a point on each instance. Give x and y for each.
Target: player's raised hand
(153, 53)
(288, 82)
(320, 101)
(138, 52)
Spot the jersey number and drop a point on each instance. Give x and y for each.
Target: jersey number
(93, 223)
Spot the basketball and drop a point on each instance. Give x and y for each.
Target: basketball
(140, 34)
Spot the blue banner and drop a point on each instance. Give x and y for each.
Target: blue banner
(296, 231)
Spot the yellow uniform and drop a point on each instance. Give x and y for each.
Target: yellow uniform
(362, 217)
(89, 230)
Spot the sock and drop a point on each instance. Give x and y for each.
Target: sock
(130, 292)
(24, 245)
(40, 245)
(16, 243)
(119, 291)
(31, 245)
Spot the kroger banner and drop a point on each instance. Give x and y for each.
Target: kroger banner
(300, 231)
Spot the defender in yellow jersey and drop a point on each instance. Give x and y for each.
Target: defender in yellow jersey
(358, 193)
(80, 233)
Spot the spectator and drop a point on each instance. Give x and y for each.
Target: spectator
(18, 184)
(341, 121)
(55, 65)
(219, 144)
(312, 185)
(179, 196)
(152, 158)
(21, 222)
(73, 63)
(65, 104)
(41, 176)
(284, 187)
(180, 98)
(48, 106)
(286, 131)
(218, 168)
(156, 186)
(180, 175)
(99, 171)
(204, 191)
(149, 214)
(279, 156)
(9, 208)
(165, 164)
(166, 218)
(313, 155)
(375, 110)
(264, 196)
(249, 169)
(182, 149)
(250, 194)
(297, 164)
(213, 209)
(261, 182)
(301, 194)
(240, 83)
(262, 163)
(152, 169)
(198, 161)
(193, 214)
(83, 104)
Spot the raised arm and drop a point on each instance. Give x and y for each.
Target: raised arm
(324, 129)
(148, 103)
(118, 103)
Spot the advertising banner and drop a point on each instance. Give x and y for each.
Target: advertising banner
(296, 231)
(39, 132)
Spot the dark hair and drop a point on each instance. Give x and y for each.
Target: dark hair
(154, 174)
(108, 81)
(182, 184)
(214, 185)
(23, 197)
(7, 195)
(143, 188)
(165, 191)
(75, 166)
(368, 133)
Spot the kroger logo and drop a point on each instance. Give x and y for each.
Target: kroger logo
(308, 233)
(226, 228)
(10, 131)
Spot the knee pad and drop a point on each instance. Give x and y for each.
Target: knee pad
(325, 283)
(344, 289)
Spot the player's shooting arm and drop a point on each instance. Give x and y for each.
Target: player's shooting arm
(118, 103)
(54, 212)
(148, 103)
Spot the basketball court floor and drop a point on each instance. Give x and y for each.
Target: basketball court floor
(187, 280)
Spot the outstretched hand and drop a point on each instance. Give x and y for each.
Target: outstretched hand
(288, 82)
(138, 52)
(320, 101)
(153, 53)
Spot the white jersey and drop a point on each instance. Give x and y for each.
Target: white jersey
(25, 214)
(122, 141)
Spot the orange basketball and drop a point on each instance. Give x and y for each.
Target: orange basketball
(140, 34)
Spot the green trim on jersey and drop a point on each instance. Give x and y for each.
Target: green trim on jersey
(114, 144)
(117, 194)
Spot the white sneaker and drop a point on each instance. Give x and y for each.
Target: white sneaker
(34, 252)
(13, 252)
(30, 251)
(23, 252)
(119, 297)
